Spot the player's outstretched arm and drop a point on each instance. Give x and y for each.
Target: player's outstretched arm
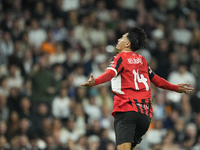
(183, 88)
(90, 82)
(105, 77)
(164, 84)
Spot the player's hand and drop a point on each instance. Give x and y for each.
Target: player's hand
(90, 82)
(183, 88)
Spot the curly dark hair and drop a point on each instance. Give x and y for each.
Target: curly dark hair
(137, 37)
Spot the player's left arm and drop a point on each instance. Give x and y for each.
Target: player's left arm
(164, 84)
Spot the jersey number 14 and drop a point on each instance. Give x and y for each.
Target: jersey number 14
(140, 79)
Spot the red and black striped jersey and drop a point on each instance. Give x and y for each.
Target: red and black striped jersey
(131, 84)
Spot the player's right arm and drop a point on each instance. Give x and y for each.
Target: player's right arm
(114, 68)
(105, 77)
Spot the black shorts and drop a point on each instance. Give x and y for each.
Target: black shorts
(130, 127)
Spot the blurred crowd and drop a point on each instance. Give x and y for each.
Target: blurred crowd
(49, 47)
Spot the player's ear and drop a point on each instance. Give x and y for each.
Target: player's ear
(128, 44)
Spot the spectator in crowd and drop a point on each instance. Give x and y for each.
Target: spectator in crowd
(194, 67)
(94, 128)
(174, 62)
(168, 142)
(56, 127)
(81, 96)
(14, 99)
(6, 44)
(15, 57)
(61, 105)
(25, 108)
(105, 120)
(27, 88)
(185, 108)
(39, 10)
(110, 145)
(181, 10)
(92, 110)
(6, 23)
(149, 25)
(196, 146)
(13, 124)
(197, 122)
(93, 142)
(69, 132)
(4, 111)
(179, 130)
(14, 143)
(16, 30)
(195, 37)
(59, 32)
(182, 54)
(190, 135)
(113, 21)
(181, 34)
(162, 57)
(81, 118)
(192, 20)
(48, 45)
(27, 63)
(14, 78)
(82, 143)
(159, 106)
(43, 90)
(171, 118)
(50, 143)
(24, 142)
(161, 11)
(24, 127)
(59, 75)
(155, 135)
(46, 127)
(34, 143)
(42, 111)
(47, 21)
(70, 145)
(91, 63)
(58, 56)
(69, 64)
(103, 98)
(3, 143)
(101, 62)
(36, 34)
(68, 5)
(102, 13)
(83, 33)
(25, 41)
(4, 89)
(3, 128)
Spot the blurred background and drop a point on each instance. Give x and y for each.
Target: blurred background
(49, 47)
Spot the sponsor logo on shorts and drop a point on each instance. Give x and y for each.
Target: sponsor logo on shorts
(143, 105)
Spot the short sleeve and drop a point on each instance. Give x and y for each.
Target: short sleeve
(116, 64)
(151, 73)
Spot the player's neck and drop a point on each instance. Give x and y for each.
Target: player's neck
(127, 50)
